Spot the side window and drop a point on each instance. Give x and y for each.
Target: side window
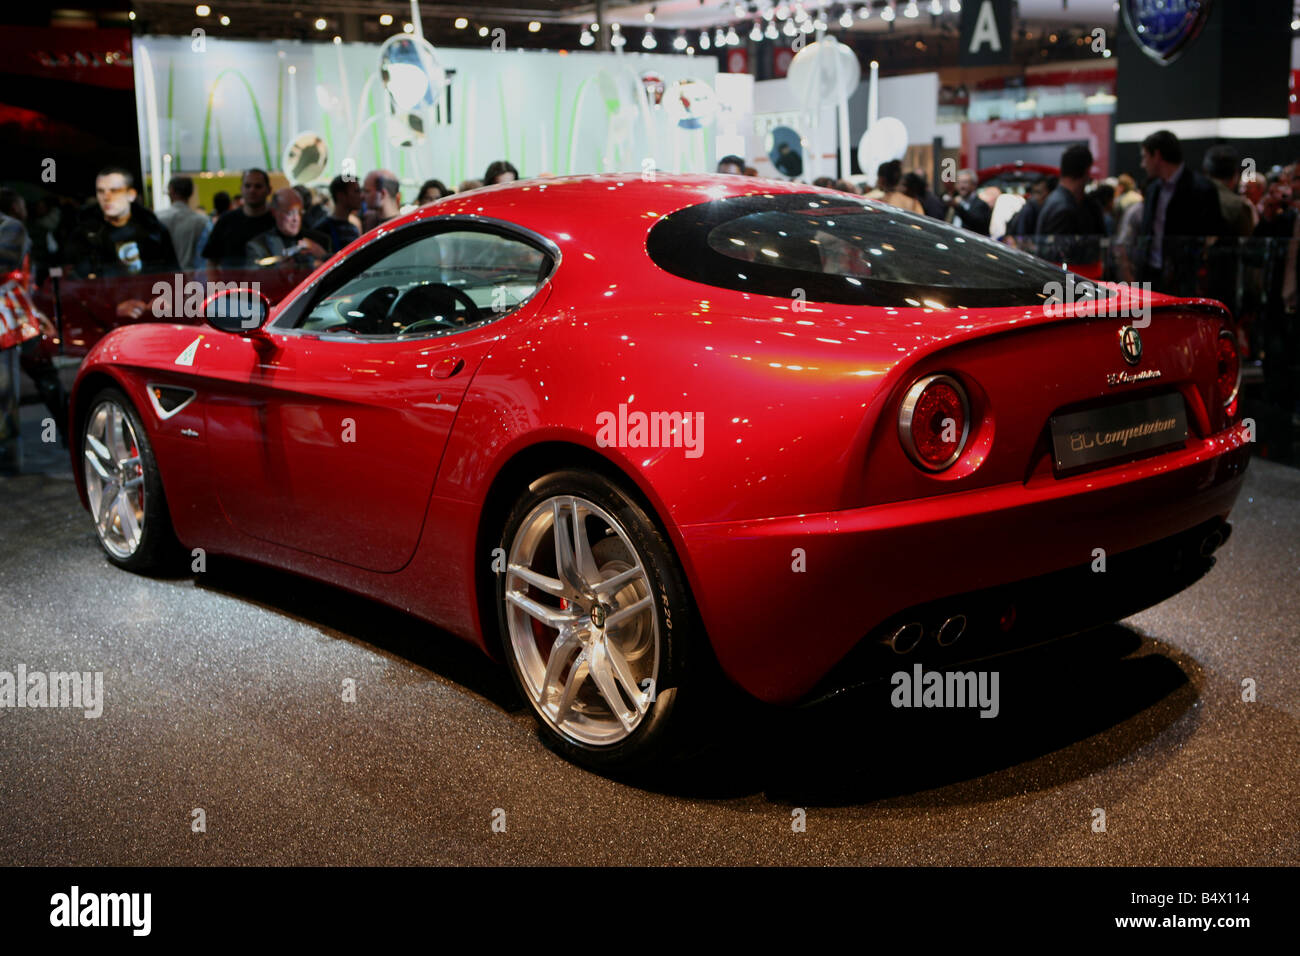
(443, 282)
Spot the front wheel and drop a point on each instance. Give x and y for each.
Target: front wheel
(123, 487)
(593, 614)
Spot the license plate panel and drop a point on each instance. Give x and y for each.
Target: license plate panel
(1102, 434)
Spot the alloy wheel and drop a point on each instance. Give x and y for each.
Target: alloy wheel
(114, 479)
(582, 622)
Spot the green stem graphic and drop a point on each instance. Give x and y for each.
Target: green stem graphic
(257, 115)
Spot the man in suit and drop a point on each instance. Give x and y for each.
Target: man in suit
(969, 211)
(1181, 209)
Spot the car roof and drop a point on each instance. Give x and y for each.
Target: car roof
(592, 204)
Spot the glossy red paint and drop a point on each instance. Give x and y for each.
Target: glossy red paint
(800, 438)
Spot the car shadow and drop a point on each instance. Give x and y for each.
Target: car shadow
(1067, 709)
(358, 619)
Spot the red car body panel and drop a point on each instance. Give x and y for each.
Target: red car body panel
(800, 444)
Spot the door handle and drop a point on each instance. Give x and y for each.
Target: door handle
(448, 367)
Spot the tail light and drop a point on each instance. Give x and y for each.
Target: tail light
(934, 421)
(1229, 371)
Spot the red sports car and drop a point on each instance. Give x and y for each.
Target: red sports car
(641, 438)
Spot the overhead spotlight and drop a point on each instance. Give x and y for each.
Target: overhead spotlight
(936, 7)
(770, 32)
(719, 37)
(650, 15)
(482, 31)
(460, 23)
(954, 6)
(533, 26)
(789, 29)
(225, 21)
(846, 18)
(648, 41)
(408, 27)
(679, 41)
(739, 11)
(337, 38)
(864, 13)
(617, 40)
(131, 15)
(807, 26)
(888, 14)
(1295, 23)
(733, 38)
(321, 23)
(202, 10)
(756, 34)
(595, 27)
(586, 39)
(385, 19)
(690, 51)
(705, 42)
(910, 10)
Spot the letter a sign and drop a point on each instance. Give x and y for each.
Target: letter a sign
(985, 32)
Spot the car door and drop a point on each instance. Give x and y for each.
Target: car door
(326, 437)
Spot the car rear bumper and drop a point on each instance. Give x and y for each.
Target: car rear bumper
(785, 599)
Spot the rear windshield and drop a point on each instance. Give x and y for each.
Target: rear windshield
(844, 249)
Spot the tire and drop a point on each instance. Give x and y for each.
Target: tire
(123, 487)
(611, 637)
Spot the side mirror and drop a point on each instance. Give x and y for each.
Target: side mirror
(237, 310)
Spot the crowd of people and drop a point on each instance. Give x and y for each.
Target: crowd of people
(115, 234)
(1164, 234)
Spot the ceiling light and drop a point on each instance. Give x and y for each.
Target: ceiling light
(461, 23)
(202, 10)
(756, 34)
(321, 23)
(585, 38)
(864, 13)
(789, 29)
(936, 7)
(770, 32)
(225, 21)
(648, 41)
(482, 31)
(385, 19)
(888, 14)
(408, 27)
(533, 26)
(679, 41)
(704, 39)
(910, 10)
(846, 18)
(954, 6)
(733, 38)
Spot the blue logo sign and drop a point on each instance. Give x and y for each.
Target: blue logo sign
(1163, 29)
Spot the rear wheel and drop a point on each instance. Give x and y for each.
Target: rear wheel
(123, 487)
(593, 611)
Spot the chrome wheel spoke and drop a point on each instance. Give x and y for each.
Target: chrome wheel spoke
(627, 613)
(602, 674)
(577, 674)
(584, 559)
(538, 580)
(625, 676)
(135, 482)
(93, 459)
(550, 616)
(126, 512)
(564, 648)
(98, 447)
(613, 585)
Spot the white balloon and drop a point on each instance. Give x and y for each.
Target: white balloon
(885, 141)
(824, 71)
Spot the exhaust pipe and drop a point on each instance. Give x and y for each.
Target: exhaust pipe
(905, 639)
(951, 629)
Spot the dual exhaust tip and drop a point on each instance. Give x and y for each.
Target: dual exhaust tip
(905, 639)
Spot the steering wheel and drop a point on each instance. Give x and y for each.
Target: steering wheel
(435, 305)
(373, 308)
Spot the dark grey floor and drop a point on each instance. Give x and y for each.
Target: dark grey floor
(223, 693)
